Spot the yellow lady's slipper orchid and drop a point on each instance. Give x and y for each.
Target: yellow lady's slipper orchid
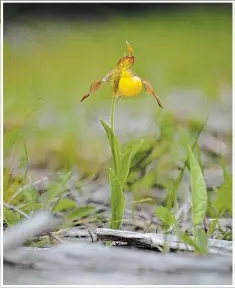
(124, 81)
(129, 85)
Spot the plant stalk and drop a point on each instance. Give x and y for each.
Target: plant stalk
(114, 100)
(112, 112)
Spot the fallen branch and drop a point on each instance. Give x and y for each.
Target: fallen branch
(151, 240)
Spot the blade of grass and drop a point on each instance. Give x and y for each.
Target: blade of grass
(198, 190)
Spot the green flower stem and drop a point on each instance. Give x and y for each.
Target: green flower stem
(114, 100)
(112, 112)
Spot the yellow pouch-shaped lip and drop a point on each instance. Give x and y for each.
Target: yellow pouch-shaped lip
(129, 85)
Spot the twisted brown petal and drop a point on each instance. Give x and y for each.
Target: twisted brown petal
(94, 87)
(149, 88)
(108, 76)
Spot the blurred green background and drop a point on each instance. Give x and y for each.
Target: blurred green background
(50, 62)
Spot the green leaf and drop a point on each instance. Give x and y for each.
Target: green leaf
(56, 189)
(143, 156)
(212, 226)
(198, 190)
(188, 240)
(31, 200)
(126, 162)
(64, 204)
(224, 199)
(81, 212)
(202, 239)
(117, 201)
(10, 216)
(165, 215)
(171, 199)
(114, 145)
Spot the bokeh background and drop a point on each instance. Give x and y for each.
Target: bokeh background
(54, 52)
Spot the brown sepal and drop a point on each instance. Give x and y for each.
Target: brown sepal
(129, 48)
(125, 62)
